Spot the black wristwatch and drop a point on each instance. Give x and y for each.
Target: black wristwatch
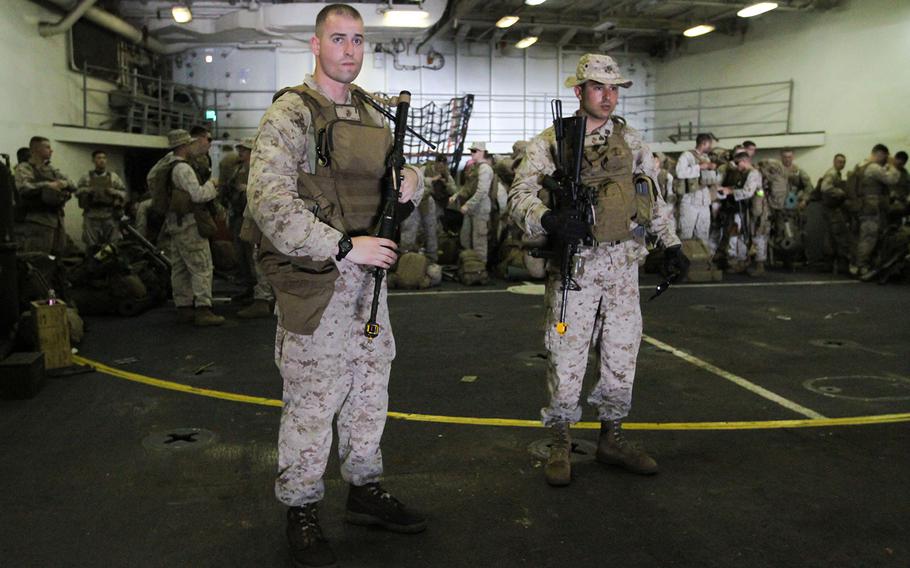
(344, 247)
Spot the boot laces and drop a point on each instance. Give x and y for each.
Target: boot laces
(561, 433)
(617, 433)
(376, 491)
(307, 520)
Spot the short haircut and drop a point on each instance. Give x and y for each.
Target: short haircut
(199, 131)
(787, 151)
(442, 158)
(901, 156)
(836, 156)
(36, 140)
(340, 9)
(749, 144)
(227, 148)
(880, 148)
(741, 156)
(704, 137)
(96, 152)
(23, 154)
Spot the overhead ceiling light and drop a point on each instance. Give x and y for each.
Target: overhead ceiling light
(209, 58)
(526, 42)
(181, 13)
(698, 30)
(405, 17)
(506, 21)
(534, 2)
(756, 9)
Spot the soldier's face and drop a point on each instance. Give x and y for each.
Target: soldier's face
(100, 161)
(750, 150)
(339, 48)
(596, 99)
(202, 145)
(43, 151)
(786, 158)
(839, 163)
(244, 154)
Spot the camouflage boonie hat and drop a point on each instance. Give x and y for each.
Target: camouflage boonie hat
(246, 143)
(178, 137)
(478, 146)
(596, 67)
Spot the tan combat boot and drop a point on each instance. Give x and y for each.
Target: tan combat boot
(613, 449)
(558, 470)
(758, 269)
(258, 309)
(185, 314)
(204, 317)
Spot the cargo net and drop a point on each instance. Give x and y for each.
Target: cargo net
(444, 125)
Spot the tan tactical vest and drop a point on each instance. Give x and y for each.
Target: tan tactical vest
(607, 167)
(36, 204)
(347, 153)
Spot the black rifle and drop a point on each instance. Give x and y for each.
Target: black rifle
(568, 193)
(390, 218)
(155, 254)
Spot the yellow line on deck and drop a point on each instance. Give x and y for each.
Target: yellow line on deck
(467, 420)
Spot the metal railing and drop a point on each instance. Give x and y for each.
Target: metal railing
(152, 105)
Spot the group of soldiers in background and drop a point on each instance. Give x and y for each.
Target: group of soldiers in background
(748, 212)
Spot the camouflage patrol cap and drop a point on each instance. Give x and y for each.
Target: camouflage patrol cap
(246, 143)
(478, 146)
(596, 67)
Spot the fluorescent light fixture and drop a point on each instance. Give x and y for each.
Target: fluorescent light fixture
(210, 114)
(534, 2)
(403, 18)
(209, 58)
(526, 42)
(698, 30)
(506, 21)
(756, 9)
(181, 13)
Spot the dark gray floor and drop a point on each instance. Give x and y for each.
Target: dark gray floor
(81, 488)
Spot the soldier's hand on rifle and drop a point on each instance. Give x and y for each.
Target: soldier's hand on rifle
(373, 251)
(675, 262)
(565, 224)
(408, 185)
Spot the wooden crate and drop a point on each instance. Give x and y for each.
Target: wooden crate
(53, 334)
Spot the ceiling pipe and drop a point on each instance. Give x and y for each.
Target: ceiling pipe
(125, 30)
(47, 29)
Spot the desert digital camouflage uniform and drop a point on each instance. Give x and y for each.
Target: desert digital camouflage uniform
(874, 193)
(737, 246)
(191, 257)
(101, 196)
(42, 229)
(606, 311)
(799, 183)
(335, 371)
(695, 205)
(477, 195)
(424, 215)
(833, 196)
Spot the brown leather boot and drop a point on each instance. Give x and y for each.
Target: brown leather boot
(205, 318)
(558, 470)
(613, 449)
(258, 309)
(185, 314)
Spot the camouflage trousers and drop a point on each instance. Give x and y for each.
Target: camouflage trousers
(334, 374)
(192, 268)
(262, 290)
(761, 228)
(870, 228)
(605, 314)
(422, 216)
(97, 231)
(695, 218)
(35, 237)
(475, 233)
(838, 232)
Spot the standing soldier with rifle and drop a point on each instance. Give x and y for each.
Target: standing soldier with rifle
(603, 306)
(315, 193)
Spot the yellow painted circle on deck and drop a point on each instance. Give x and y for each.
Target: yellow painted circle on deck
(471, 421)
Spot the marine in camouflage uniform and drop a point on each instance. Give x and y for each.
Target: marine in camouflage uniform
(424, 216)
(876, 177)
(101, 195)
(605, 312)
(832, 188)
(191, 258)
(476, 203)
(315, 202)
(43, 191)
(696, 178)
